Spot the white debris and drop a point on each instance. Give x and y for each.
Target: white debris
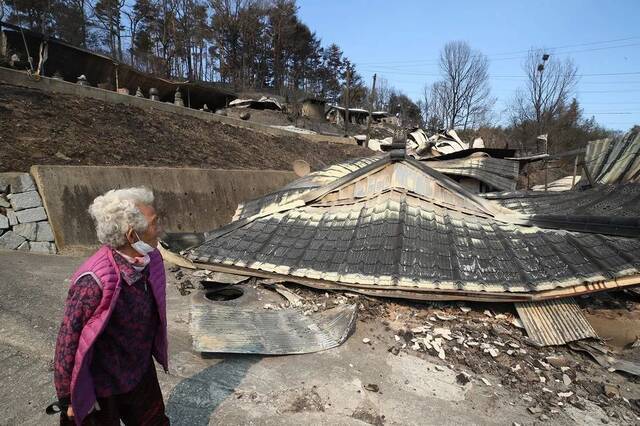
(485, 381)
(565, 394)
(501, 316)
(444, 317)
(566, 380)
(516, 322)
(366, 341)
(516, 368)
(465, 309)
(514, 345)
(488, 313)
(396, 337)
(444, 332)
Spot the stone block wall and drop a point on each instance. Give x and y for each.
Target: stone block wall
(23, 220)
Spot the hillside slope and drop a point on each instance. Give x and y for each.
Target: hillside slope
(40, 128)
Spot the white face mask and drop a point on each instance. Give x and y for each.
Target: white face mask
(141, 247)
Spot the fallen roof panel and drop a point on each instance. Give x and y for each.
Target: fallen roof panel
(554, 322)
(229, 328)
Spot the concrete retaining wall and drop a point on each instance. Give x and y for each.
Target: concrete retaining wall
(189, 200)
(18, 78)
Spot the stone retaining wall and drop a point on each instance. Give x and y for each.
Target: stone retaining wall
(23, 220)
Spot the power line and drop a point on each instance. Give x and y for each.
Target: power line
(508, 76)
(497, 55)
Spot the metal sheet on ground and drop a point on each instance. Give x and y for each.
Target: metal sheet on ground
(605, 359)
(233, 329)
(554, 322)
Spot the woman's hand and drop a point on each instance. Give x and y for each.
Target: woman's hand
(70, 412)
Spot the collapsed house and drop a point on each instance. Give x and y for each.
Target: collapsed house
(337, 115)
(392, 226)
(55, 58)
(478, 169)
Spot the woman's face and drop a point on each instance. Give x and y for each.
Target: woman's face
(154, 230)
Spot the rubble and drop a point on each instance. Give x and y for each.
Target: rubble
(484, 350)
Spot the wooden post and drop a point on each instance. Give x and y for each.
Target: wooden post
(546, 174)
(586, 172)
(346, 109)
(575, 172)
(372, 97)
(546, 161)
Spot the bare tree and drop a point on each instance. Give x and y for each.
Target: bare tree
(437, 104)
(383, 92)
(462, 99)
(548, 89)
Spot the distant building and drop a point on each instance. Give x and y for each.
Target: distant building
(336, 114)
(312, 108)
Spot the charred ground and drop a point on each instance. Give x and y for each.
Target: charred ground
(42, 128)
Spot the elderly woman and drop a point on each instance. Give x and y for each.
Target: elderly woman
(115, 320)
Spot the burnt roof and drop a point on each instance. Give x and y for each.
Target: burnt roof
(401, 226)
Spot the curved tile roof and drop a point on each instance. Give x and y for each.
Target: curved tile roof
(402, 226)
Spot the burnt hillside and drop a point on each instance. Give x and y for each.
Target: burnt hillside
(41, 128)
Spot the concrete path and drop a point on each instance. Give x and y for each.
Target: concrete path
(321, 388)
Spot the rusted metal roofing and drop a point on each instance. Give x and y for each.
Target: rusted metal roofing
(617, 160)
(554, 322)
(400, 227)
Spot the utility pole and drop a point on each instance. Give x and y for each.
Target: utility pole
(371, 100)
(346, 110)
(546, 162)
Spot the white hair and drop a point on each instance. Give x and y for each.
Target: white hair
(116, 211)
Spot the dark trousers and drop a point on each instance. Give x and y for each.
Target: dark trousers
(141, 406)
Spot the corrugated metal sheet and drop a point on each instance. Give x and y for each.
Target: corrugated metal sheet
(554, 322)
(611, 161)
(216, 327)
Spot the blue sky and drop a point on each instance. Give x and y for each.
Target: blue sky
(401, 40)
